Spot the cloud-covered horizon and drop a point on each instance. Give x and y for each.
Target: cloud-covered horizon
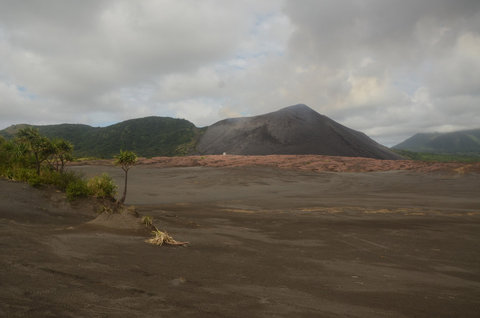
(387, 68)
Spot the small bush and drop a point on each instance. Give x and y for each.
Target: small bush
(105, 209)
(102, 186)
(60, 180)
(23, 174)
(35, 181)
(18, 173)
(148, 221)
(77, 189)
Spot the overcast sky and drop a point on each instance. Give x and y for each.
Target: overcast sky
(389, 68)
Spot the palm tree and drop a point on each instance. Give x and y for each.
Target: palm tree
(63, 153)
(40, 146)
(126, 159)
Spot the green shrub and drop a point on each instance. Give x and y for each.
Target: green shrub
(65, 178)
(102, 186)
(21, 174)
(77, 189)
(26, 174)
(35, 181)
(10, 173)
(60, 180)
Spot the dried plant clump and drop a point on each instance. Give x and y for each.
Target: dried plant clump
(133, 211)
(104, 209)
(161, 238)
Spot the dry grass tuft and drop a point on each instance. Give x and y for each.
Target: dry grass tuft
(161, 238)
(104, 209)
(147, 220)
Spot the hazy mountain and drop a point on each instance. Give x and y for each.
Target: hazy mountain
(292, 130)
(465, 141)
(149, 136)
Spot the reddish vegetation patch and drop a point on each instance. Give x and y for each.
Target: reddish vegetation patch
(311, 163)
(316, 163)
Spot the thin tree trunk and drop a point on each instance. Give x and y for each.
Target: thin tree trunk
(122, 200)
(37, 161)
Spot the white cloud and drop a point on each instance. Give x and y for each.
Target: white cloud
(390, 69)
(200, 111)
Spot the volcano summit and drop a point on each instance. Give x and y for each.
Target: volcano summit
(295, 129)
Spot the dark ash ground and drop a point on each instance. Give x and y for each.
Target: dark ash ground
(265, 242)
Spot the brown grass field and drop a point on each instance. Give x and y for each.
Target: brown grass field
(269, 236)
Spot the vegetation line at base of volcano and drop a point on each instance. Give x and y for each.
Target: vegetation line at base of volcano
(438, 157)
(147, 137)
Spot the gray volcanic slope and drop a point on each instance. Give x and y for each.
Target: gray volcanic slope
(295, 129)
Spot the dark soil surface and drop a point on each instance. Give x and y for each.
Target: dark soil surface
(264, 242)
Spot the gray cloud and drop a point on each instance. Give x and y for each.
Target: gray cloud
(402, 64)
(388, 68)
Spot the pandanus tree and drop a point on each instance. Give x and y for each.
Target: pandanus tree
(40, 147)
(62, 154)
(125, 159)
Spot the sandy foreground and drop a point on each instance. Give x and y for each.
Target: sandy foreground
(264, 242)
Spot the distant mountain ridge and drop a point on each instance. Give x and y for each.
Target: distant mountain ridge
(149, 136)
(296, 129)
(457, 142)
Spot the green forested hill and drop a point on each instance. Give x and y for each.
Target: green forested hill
(149, 136)
(458, 142)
